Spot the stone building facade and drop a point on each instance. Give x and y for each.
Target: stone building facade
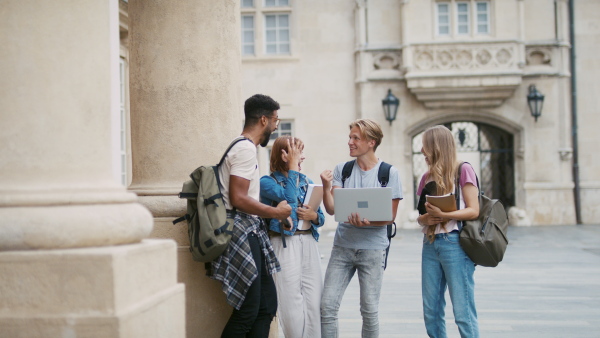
(467, 64)
(107, 106)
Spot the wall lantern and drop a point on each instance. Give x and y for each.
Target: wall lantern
(535, 100)
(390, 106)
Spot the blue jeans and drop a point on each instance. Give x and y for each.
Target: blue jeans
(445, 264)
(342, 265)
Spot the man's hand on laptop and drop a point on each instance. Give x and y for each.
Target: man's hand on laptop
(357, 221)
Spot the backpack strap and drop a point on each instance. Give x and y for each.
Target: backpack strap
(268, 220)
(457, 191)
(234, 142)
(383, 176)
(347, 171)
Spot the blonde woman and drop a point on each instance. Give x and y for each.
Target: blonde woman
(299, 284)
(444, 264)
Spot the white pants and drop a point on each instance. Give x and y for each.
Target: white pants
(299, 286)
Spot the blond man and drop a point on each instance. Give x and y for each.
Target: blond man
(359, 244)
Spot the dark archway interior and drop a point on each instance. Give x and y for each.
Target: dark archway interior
(495, 148)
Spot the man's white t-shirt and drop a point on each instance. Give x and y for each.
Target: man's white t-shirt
(240, 161)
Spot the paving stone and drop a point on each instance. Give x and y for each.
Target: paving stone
(547, 286)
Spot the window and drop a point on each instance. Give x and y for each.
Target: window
(277, 29)
(284, 129)
(462, 18)
(483, 17)
(266, 27)
(247, 35)
(276, 3)
(443, 19)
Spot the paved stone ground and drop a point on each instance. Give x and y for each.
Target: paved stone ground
(547, 286)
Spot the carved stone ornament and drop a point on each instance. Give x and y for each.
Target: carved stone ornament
(538, 56)
(424, 60)
(386, 61)
(460, 57)
(465, 74)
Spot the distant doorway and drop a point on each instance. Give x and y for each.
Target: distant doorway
(489, 149)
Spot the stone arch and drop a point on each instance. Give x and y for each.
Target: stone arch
(483, 118)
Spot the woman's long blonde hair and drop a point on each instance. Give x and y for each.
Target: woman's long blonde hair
(440, 149)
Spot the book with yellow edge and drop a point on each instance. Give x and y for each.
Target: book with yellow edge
(446, 203)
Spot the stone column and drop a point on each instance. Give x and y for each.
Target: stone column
(185, 80)
(61, 209)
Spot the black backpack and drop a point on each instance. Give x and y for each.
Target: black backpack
(210, 225)
(383, 176)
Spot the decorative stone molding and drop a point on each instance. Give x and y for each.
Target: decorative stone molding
(546, 59)
(464, 57)
(477, 74)
(380, 63)
(386, 60)
(538, 55)
(565, 154)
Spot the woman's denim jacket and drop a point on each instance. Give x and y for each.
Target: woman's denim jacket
(292, 189)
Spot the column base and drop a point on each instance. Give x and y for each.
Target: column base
(73, 226)
(118, 291)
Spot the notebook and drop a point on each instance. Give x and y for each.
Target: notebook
(374, 204)
(446, 203)
(313, 197)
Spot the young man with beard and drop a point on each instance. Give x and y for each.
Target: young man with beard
(359, 245)
(246, 266)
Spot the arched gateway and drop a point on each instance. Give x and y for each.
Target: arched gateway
(489, 149)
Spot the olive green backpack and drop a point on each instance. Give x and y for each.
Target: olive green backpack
(210, 225)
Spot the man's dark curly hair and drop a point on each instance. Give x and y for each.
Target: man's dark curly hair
(257, 106)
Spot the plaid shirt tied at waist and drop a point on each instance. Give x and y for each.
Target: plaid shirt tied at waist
(235, 268)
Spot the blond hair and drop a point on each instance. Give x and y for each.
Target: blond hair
(277, 163)
(440, 149)
(369, 129)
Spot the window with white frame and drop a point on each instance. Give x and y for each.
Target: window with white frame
(483, 17)
(277, 33)
(284, 129)
(266, 27)
(247, 34)
(276, 3)
(443, 19)
(462, 17)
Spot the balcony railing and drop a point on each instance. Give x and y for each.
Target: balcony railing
(474, 74)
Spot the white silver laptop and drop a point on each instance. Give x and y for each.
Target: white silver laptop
(374, 204)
